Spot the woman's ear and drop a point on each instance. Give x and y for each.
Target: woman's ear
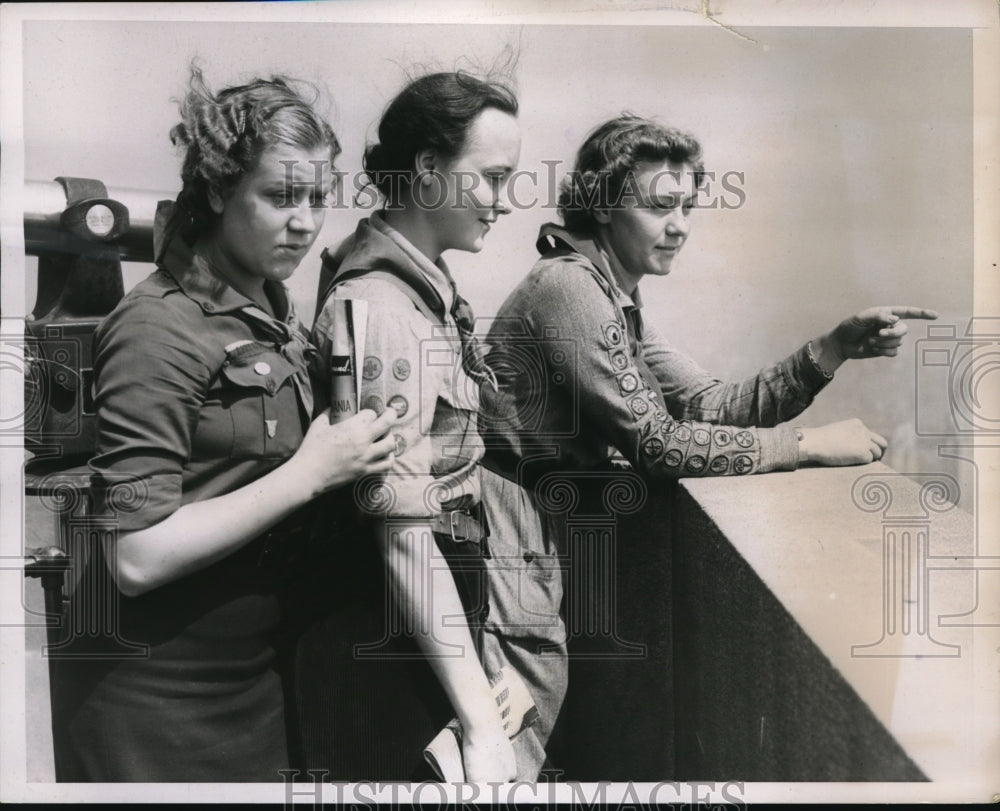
(424, 164)
(602, 216)
(215, 200)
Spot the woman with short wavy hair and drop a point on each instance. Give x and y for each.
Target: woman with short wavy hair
(589, 386)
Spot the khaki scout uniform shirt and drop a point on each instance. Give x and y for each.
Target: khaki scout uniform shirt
(412, 363)
(584, 377)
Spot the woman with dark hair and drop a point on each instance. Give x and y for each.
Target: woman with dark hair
(617, 394)
(207, 451)
(395, 659)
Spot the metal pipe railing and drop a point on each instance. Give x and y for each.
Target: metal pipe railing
(44, 204)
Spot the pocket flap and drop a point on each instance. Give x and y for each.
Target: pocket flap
(525, 593)
(253, 365)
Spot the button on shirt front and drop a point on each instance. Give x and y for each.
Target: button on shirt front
(188, 374)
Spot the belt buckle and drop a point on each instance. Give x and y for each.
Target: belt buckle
(451, 525)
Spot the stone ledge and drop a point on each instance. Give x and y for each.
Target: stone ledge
(799, 654)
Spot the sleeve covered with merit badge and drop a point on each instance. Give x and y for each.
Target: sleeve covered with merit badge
(650, 402)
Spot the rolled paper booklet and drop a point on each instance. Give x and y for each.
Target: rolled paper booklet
(517, 712)
(347, 334)
(343, 392)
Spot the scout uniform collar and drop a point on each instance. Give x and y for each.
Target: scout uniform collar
(174, 254)
(377, 246)
(552, 238)
(436, 273)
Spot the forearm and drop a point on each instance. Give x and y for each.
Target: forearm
(775, 394)
(826, 353)
(425, 591)
(197, 535)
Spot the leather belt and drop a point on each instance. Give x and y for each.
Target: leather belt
(459, 525)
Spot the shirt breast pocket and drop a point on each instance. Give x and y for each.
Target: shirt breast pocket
(259, 394)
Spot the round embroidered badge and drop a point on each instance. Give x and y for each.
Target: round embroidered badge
(372, 368)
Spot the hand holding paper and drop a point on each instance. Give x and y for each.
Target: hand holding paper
(517, 710)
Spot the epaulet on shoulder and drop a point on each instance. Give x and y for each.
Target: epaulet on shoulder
(562, 261)
(151, 301)
(562, 256)
(376, 277)
(156, 285)
(573, 258)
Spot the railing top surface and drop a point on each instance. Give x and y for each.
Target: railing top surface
(887, 576)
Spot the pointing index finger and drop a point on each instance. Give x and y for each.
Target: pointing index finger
(914, 312)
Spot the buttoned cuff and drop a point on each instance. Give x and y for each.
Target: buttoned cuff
(802, 374)
(779, 448)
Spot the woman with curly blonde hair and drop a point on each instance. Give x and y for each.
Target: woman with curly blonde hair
(205, 408)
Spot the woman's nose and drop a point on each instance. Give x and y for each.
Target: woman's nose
(303, 216)
(501, 200)
(677, 223)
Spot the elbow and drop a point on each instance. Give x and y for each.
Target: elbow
(131, 577)
(131, 580)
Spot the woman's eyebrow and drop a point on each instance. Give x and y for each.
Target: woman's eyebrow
(669, 198)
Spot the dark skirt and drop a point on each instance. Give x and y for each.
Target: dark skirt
(367, 700)
(184, 686)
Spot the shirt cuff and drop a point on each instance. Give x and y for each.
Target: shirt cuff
(802, 374)
(137, 502)
(779, 448)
